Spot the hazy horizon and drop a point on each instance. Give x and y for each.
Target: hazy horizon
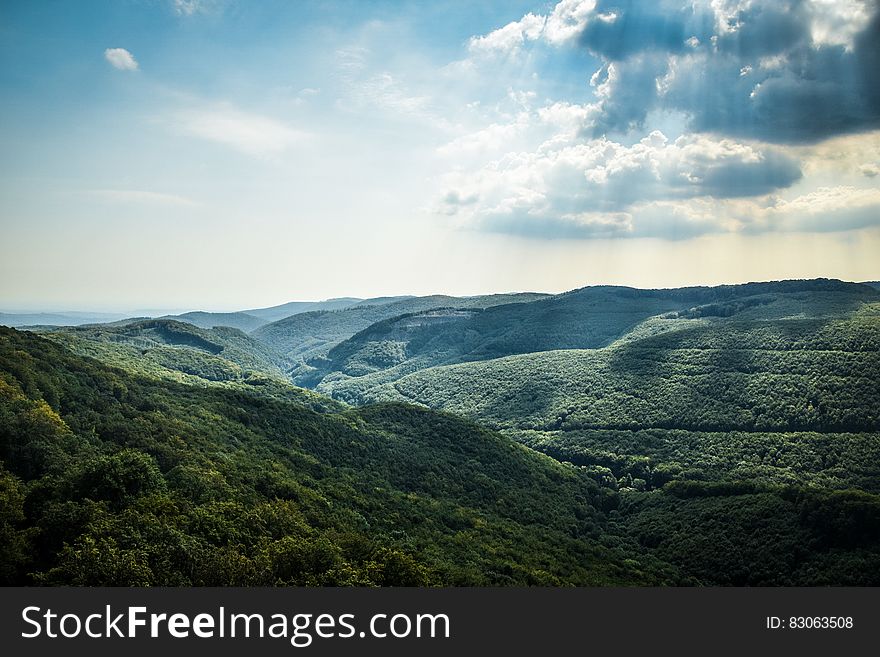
(216, 155)
(127, 311)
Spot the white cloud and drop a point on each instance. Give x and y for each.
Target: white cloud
(510, 38)
(121, 59)
(836, 22)
(567, 180)
(488, 140)
(752, 87)
(564, 23)
(825, 209)
(252, 134)
(387, 92)
(828, 199)
(523, 130)
(352, 60)
(568, 19)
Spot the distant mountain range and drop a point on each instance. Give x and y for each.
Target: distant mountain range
(724, 435)
(246, 320)
(250, 320)
(57, 318)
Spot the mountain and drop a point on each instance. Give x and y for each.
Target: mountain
(309, 335)
(177, 351)
(720, 436)
(109, 478)
(57, 319)
(250, 320)
(242, 321)
(275, 313)
(797, 374)
(590, 318)
(740, 426)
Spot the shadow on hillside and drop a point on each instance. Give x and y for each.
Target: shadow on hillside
(697, 378)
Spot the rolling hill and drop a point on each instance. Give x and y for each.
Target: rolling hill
(726, 435)
(735, 423)
(107, 478)
(798, 380)
(206, 320)
(16, 320)
(177, 351)
(311, 335)
(274, 313)
(250, 320)
(586, 319)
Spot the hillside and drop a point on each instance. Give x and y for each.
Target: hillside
(250, 320)
(684, 385)
(16, 320)
(742, 432)
(311, 335)
(699, 436)
(178, 351)
(113, 479)
(586, 319)
(274, 313)
(241, 321)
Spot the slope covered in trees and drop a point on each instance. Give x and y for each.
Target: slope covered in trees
(586, 319)
(110, 478)
(274, 313)
(169, 348)
(250, 320)
(305, 336)
(776, 398)
(700, 436)
(741, 434)
(241, 321)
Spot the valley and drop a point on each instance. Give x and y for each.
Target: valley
(708, 435)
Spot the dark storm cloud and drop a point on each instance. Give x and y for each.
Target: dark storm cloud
(628, 28)
(733, 82)
(631, 91)
(740, 179)
(760, 74)
(766, 29)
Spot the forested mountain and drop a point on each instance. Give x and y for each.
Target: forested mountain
(151, 345)
(789, 368)
(307, 335)
(274, 313)
(250, 320)
(708, 418)
(56, 319)
(177, 351)
(114, 479)
(586, 319)
(242, 321)
(726, 435)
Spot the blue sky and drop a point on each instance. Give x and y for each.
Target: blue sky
(218, 154)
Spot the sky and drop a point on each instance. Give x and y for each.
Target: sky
(222, 154)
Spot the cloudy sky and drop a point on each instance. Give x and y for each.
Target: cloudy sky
(221, 154)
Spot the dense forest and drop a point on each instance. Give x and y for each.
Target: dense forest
(109, 478)
(726, 435)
